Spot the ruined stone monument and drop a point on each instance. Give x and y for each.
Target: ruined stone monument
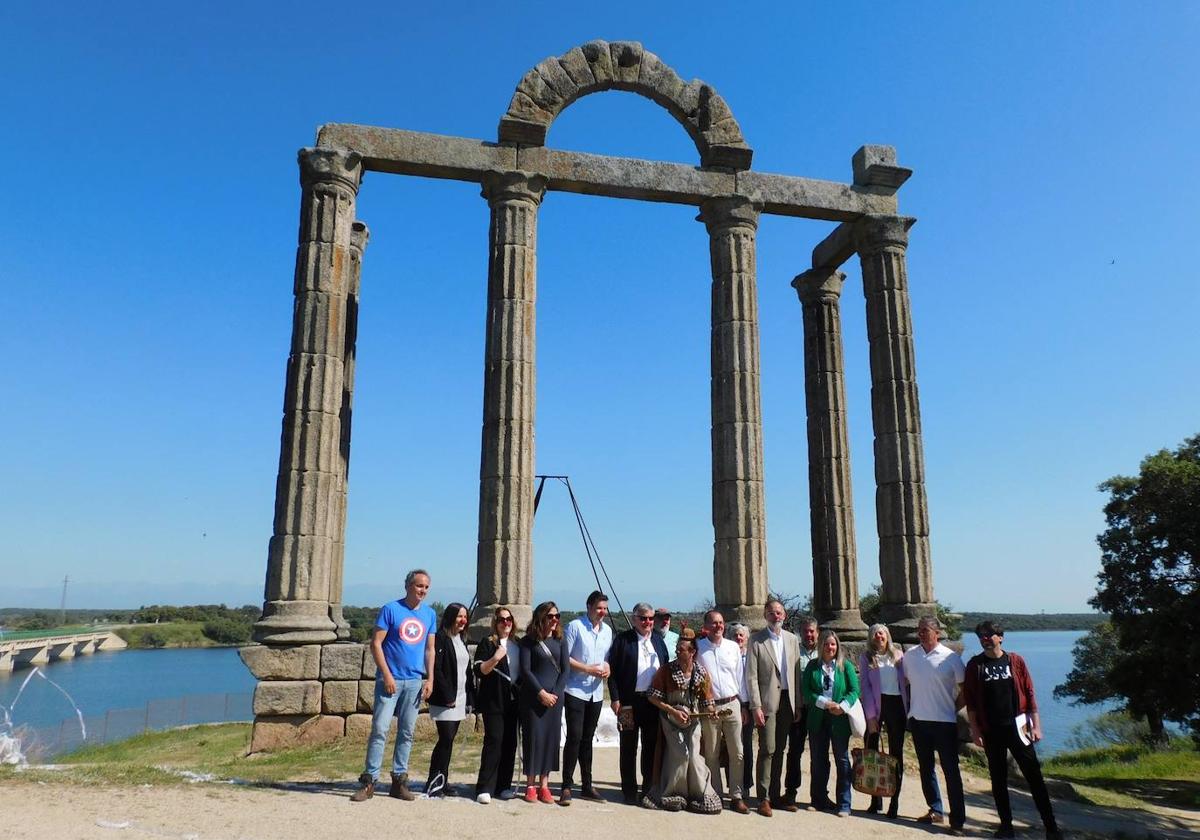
(313, 684)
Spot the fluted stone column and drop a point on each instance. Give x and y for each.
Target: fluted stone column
(308, 510)
(739, 515)
(359, 234)
(831, 503)
(504, 571)
(901, 507)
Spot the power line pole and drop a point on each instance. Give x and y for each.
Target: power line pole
(62, 607)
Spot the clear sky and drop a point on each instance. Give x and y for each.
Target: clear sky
(148, 229)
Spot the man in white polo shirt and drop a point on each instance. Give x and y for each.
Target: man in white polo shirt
(722, 659)
(935, 677)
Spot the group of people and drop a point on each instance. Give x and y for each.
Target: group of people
(701, 718)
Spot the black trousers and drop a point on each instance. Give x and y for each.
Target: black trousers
(891, 716)
(796, 740)
(439, 760)
(499, 752)
(645, 729)
(582, 717)
(998, 743)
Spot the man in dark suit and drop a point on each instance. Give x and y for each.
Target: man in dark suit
(633, 659)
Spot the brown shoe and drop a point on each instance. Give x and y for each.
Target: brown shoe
(764, 808)
(591, 794)
(366, 789)
(738, 806)
(784, 805)
(932, 818)
(564, 798)
(399, 788)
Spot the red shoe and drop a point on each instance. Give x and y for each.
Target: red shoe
(531, 794)
(544, 795)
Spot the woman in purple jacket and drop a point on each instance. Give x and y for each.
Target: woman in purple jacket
(885, 703)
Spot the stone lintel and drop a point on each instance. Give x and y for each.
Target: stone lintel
(835, 248)
(875, 167)
(439, 156)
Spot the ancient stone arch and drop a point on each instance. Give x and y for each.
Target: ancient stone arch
(313, 685)
(624, 65)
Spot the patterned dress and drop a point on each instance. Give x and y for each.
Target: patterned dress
(683, 780)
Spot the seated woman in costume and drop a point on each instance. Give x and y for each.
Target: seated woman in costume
(682, 691)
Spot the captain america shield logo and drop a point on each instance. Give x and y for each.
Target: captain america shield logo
(412, 631)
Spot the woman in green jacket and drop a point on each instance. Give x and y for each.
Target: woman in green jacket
(830, 688)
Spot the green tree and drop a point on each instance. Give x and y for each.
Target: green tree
(227, 631)
(1150, 586)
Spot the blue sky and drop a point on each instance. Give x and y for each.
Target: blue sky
(148, 234)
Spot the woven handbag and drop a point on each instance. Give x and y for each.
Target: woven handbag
(875, 772)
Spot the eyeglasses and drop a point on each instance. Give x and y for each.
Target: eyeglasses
(643, 618)
(505, 619)
(552, 616)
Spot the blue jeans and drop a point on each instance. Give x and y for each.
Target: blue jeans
(819, 741)
(404, 704)
(930, 736)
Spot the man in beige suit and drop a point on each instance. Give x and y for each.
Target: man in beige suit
(775, 700)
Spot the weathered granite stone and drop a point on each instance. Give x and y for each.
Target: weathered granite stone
(290, 662)
(626, 59)
(292, 697)
(339, 697)
(341, 661)
(282, 732)
(366, 695)
(368, 664)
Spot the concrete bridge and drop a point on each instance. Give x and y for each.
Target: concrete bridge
(21, 653)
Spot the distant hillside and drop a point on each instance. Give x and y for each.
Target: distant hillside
(1034, 621)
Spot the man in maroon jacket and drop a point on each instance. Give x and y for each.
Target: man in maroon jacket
(1004, 718)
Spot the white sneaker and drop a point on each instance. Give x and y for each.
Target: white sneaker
(483, 798)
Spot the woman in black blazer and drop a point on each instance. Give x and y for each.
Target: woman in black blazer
(453, 693)
(496, 663)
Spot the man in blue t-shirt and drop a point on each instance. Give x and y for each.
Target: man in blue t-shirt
(402, 644)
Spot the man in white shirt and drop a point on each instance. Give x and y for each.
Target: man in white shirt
(722, 659)
(774, 701)
(935, 676)
(587, 639)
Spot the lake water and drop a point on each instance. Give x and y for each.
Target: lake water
(125, 689)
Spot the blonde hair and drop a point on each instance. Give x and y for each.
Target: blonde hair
(891, 649)
(839, 659)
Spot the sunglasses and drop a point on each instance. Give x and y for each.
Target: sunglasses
(828, 682)
(505, 619)
(552, 616)
(643, 618)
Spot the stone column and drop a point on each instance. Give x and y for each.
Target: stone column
(504, 571)
(307, 493)
(901, 507)
(830, 501)
(739, 516)
(359, 234)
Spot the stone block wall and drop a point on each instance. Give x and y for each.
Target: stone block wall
(310, 694)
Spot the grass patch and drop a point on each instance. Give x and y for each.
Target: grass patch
(220, 750)
(1169, 776)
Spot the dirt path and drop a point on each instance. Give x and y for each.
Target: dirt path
(229, 812)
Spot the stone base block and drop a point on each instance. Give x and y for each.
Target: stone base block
(291, 697)
(369, 668)
(280, 732)
(848, 624)
(749, 614)
(291, 662)
(339, 697)
(366, 695)
(341, 661)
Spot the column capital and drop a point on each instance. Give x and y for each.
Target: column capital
(819, 284)
(331, 166)
(513, 185)
(728, 211)
(359, 234)
(874, 233)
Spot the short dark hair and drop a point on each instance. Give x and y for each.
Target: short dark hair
(595, 598)
(989, 628)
